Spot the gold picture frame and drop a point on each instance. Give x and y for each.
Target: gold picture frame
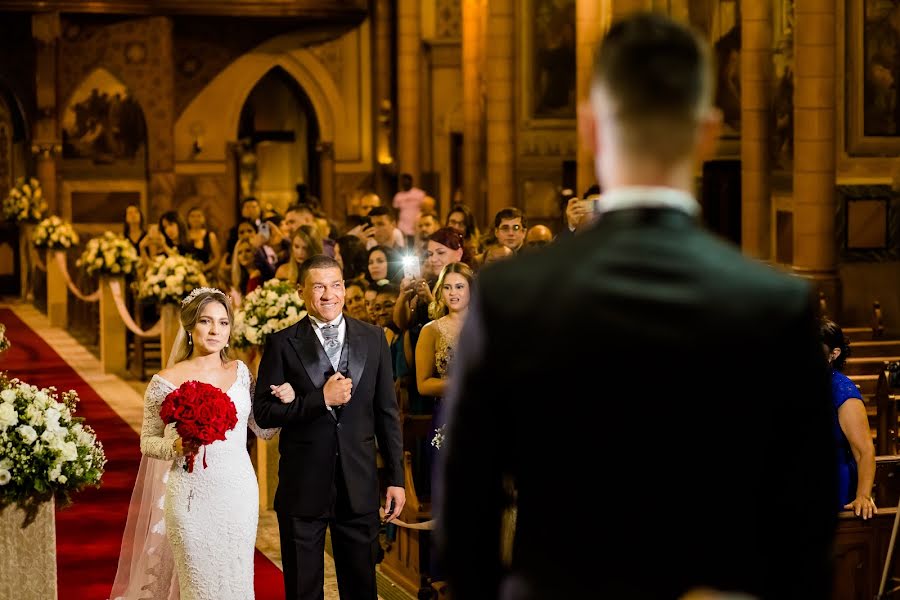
(547, 69)
(872, 124)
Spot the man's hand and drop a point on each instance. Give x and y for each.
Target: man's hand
(337, 390)
(398, 496)
(576, 212)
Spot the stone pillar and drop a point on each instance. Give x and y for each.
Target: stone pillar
(473, 38)
(382, 85)
(161, 124)
(756, 128)
(591, 23)
(815, 247)
(113, 347)
(57, 291)
(326, 170)
(409, 128)
(500, 85)
(46, 144)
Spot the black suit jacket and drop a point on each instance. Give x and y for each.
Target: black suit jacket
(649, 361)
(312, 439)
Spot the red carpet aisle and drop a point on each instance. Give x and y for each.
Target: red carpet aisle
(90, 531)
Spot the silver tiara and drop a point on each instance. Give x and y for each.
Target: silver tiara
(202, 290)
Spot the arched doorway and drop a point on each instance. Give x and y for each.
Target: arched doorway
(278, 133)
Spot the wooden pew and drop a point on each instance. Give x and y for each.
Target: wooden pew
(861, 546)
(407, 556)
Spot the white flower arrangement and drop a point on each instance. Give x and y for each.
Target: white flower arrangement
(109, 254)
(4, 341)
(265, 310)
(47, 452)
(25, 202)
(171, 278)
(54, 234)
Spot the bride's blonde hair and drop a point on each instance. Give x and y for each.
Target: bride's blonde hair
(190, 314)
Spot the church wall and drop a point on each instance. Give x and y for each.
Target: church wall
(335, 76)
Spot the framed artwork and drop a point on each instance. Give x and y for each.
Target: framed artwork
(720, 21)
(872, 76)
(103, 125)
(548, 72)
(868, 223)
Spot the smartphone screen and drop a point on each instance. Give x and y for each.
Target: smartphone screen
(411, 267)
(264, 231)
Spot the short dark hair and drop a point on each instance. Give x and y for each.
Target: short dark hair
(657, 74)
(318, 261)
(509, 213)
(378, 211)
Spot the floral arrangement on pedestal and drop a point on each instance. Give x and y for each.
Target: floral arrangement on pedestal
(54, 234)
(4, 341)
(171, 278)
(265, 310)
(47, 451)
(25, 202)
(109, 254)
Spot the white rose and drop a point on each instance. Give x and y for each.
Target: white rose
(8, 416)
(6, 463)
(5, 477)
(8, 395)
(29, 435)
(69, 451)
(55, 472)
(62, 479)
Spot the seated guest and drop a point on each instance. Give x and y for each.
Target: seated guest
(856, 453)
(538, 236)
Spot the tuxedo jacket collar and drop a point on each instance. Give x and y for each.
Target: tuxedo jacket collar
(314, 359)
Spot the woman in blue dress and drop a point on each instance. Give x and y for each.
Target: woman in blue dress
(855, 451)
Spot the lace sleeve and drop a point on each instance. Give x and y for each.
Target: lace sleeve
(266, 434)
(157, 439)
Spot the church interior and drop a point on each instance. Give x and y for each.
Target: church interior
(185, 110)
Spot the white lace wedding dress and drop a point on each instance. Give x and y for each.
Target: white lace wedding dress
(211, 514)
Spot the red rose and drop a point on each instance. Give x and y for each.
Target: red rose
(202, 414)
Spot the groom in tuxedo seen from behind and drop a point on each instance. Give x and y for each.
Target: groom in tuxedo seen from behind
(327, 381)
(686, 382)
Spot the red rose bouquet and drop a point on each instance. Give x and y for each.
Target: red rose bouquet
(202, 414)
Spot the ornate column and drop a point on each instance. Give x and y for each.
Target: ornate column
(500, 84)
(591, 22)
(756, 106)
(409, 43)
(46, 144)
(815, 248)
(473, 38)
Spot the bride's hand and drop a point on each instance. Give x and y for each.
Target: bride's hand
(284, 392)
(182, 449)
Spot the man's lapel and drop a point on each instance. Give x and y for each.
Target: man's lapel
(356, 358)
(311, 353)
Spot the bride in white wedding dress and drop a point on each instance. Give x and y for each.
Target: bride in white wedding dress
(192, 535)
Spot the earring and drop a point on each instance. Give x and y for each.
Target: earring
(190, 339)
(226, 345)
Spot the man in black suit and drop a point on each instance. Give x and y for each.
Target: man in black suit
(327, 382)
(646, 359)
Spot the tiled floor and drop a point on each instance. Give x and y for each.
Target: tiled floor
(126, 398)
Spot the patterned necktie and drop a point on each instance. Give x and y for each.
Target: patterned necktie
(332, 345)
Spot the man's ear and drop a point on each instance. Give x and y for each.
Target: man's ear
(587, 127)
(709, 130)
